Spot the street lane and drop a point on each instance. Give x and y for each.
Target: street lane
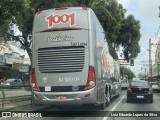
(117, 104)
(137, 105)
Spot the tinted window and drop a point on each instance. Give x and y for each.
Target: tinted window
(124, 81)
(154, 83)
(139, 83)
(10, 80)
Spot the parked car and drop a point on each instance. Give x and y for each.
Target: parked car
(124, 84)
(12, 82)
(155, 86)
(139, 90)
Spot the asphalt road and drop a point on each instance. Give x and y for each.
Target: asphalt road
(117, 104)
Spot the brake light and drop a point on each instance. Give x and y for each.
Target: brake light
(33, 75)
(150, 89)
(129, 89)
(34, 84)
(139, 86)
(91, 78)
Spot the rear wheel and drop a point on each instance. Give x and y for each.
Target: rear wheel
(108, 99)
(103, 105)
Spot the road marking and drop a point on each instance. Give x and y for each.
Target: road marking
(105, 118)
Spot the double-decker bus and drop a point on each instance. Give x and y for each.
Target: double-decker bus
(72, 61)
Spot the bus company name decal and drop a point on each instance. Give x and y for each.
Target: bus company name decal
(54, 19)
(56, 38)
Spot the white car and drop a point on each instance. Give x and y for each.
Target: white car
(155, 86)
(124, 84)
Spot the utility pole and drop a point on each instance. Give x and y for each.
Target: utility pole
(145, 75)
(150, 60)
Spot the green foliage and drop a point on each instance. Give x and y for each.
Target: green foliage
(8, 9)
(127, 71)
(120, 30)
(110, 14)
(129, 37)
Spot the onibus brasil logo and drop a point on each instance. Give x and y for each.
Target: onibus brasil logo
(54, 19)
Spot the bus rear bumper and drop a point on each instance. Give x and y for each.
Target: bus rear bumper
(65, 98)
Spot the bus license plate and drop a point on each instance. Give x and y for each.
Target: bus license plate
(61, 97)
(140, 96)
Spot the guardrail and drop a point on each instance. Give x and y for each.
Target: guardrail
(13, 99)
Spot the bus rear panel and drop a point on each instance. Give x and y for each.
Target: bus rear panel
(63, 66)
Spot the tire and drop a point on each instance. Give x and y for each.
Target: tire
(108, 99)
(103, 105)
(118, 94)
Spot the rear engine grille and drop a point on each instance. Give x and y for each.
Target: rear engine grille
(61, 59)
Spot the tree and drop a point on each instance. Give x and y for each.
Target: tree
(110, 15)
(142, 75)
(8, 9)
(127, 71)
(120, 30)
(129, 37)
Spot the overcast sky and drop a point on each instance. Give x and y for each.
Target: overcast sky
(147, 12)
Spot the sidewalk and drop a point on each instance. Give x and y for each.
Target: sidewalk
(24, 107)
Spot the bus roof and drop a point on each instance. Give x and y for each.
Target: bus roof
(71, 17)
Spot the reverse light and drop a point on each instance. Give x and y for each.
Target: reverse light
(91, 78)
(34, 84)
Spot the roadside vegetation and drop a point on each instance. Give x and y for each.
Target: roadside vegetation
(120, 30)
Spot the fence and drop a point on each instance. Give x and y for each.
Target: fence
(10, 95)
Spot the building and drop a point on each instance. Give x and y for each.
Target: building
(13, 62)
(155, 56)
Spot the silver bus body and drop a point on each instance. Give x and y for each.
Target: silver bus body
(71, 62)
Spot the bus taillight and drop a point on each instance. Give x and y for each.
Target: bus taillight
(91, 78)
(33, 75)
(34, 84)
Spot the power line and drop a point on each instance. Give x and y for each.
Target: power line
(142, 52)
